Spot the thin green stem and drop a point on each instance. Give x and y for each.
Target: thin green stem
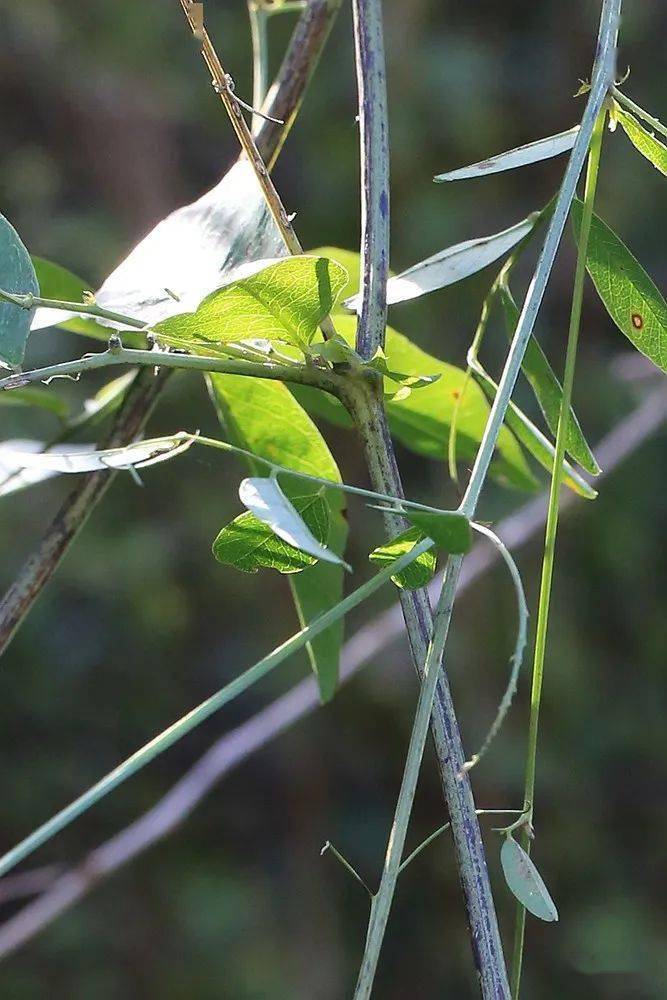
(639, 112)
(30, 301)
(188, 722)
(300, 374)
(259, 18)
(552, 520)
(443, 829)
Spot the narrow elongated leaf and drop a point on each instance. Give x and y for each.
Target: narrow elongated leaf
(17, 276)
(449, 530)
(525, 881)
(284, 303)
(40, 398)
(532, 152)
(87, 459)
(451, 265)
(14, 476)
(647, 144)
(533, 440)
(250, 544)
(263, 417)
(265, 499)
(547, 389)
(417, 574)
(632, 300)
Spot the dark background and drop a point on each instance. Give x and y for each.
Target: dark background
(108, 123)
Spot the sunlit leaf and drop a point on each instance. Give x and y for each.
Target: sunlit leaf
(532, 152)
(451, 265)
(547, 389)
(420, 572)
(250, 544)
(264, 417)
(264, 498)
(647, 144)
(85, 458)
(17, 276)
(449, 530)
(525, 881)
(533, 440)
(632, 300)
(284, 303)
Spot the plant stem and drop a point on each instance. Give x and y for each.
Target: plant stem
(298, 374)
(374, 143)
(30, 301)
(639, 112)
(188, 722)
(259, 18)
(552, 522)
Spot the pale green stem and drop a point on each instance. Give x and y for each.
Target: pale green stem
(259, 18)
(30, 301)
(443, 829)
(552, 523)
(639, 112)
(186, 724)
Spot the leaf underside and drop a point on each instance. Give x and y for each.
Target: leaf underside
(17, 276)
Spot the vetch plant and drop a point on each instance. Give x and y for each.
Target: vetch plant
(222, 288)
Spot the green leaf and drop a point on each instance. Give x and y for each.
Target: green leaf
(56, 282)
(264, 417)
(647, 144)
(283, 303)
(525, 881)
(417, 574)
(533, 440)
(264, 498)
(532, 152)
(17, 276)
(31, 396)
(629, 296)
(449, 530)
(547, 388)
(249, 544)
(421, 421)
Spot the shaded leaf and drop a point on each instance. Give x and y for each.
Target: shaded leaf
(630, 297)
(265, 499)
(264, 417)
(533, 440)
(17, 276)
(32, 396)
(647, 144)
(284, 303)
(547, 389)
(250, 544)
(420, 572)
(56, 282)
(451, 265)
(449, 530)
(532, 152)
(525, 881)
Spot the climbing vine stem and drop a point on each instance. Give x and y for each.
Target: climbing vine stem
(552, 525)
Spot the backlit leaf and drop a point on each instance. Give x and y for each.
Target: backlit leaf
(547, 389)
(647, 144)
(264, 498)
(284, 303)
(451, 265)
(449, 530)
(632, 300)
(525, 881)
(85, 458)
(249, 544)
(420, 572)
(17, 276)
(532, 152)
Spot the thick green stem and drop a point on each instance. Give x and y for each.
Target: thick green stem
(552, 524)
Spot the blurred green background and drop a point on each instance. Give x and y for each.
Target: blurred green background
(108, 123)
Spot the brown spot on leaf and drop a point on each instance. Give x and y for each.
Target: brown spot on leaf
(456, 393)
(637, 321)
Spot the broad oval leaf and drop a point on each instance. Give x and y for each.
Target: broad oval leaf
(547, 388)
(262, 416)
(420, 572)
(284, 302)
(451, 265)
(525, 881)
(632, 300)
(647, 144)
(532, 152)
(17, 276)
(449, 530)
(249, 544)
(265, 499)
